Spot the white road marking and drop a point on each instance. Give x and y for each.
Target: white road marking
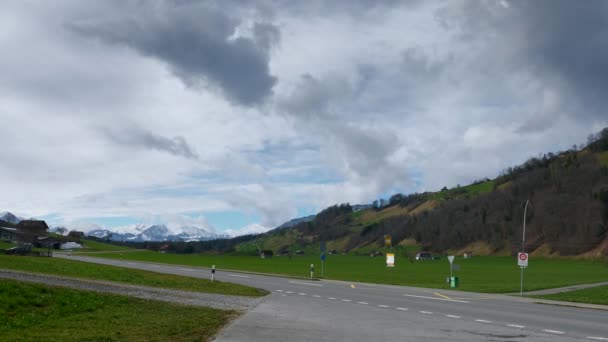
(288, 292)
(346, 300)
(186, 269)
(297, 282)
(553, 331)
(597, 338)
(332, 298)
(157, 266)
(383, 306)
(302, 294)
(363, 303)
(238, 275)
(434, 298)
(426, 312)
(130, 263)
(452, 316)
(279, 290)
(283, 295)
(316, 296)
(516, 326)
(482, 321)
(402, 309)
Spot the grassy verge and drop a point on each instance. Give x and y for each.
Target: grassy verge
(32, 312)
(5, 245)
(478, 274)
(124, 275)
(594, 295)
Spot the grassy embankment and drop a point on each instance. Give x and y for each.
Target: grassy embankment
(5, 245)
(39, 313)
(124, 275)
(594, 295)
(94, 246)
(479, 274)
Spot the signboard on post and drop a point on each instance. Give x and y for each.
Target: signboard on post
(390, 260)
(451, 258)
(387, 240)
(522, 259)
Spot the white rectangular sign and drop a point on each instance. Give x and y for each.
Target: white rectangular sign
(390, 259)
(522, 259)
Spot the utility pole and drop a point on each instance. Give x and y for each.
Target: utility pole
(523, 250)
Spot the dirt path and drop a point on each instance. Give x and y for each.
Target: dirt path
(153, 293)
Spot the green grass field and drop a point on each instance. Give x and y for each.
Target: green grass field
(478, 274)
(594, 295)
(32, 312)
(470, 190)
(124, 275)
(94, 246)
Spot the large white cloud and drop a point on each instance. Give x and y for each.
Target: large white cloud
(273, 107)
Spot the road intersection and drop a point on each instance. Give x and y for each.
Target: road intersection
(302, 310)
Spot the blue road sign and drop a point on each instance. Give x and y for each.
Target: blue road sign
(322, 257)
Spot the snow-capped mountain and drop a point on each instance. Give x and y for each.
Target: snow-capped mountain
(11, 218)
(170, 231)
(250, 229)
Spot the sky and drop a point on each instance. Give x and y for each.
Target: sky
(245, 114)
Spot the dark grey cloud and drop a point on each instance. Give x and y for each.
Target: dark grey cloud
(199, 43)
(138, 137)
(561, 42)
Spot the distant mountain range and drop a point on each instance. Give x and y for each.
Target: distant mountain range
(156, 232)
(11, 218)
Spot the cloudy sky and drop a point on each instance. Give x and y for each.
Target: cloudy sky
(230, 113)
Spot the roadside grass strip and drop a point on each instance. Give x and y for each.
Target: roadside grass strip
(593, 295)
(33, 312)
(85, 270)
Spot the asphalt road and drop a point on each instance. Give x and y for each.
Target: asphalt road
(300, 310)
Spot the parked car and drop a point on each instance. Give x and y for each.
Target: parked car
(19, 250)
(424, 256)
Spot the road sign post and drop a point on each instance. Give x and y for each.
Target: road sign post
(390, 260)
(312, 270)
(522, 262)
(322, 249)
(451, 260)
(213, 273)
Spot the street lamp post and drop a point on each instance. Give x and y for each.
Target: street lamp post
(523, 250)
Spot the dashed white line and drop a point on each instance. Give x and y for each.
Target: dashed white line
(283, 295)
(331, 298)
(597, 338)
(186, 269)
(452, 316)
(297, 282)
(434, 298)
(516, 326)
(383, 306)
(302, 293)
(346, 300)
(553, 331)
(288, 292)
(482, 321)
(130, 263)
(402, 309)
(156, 266)
(279, 290)
(426, 312)
(238, 275)
(363, 303)
(316, 296)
